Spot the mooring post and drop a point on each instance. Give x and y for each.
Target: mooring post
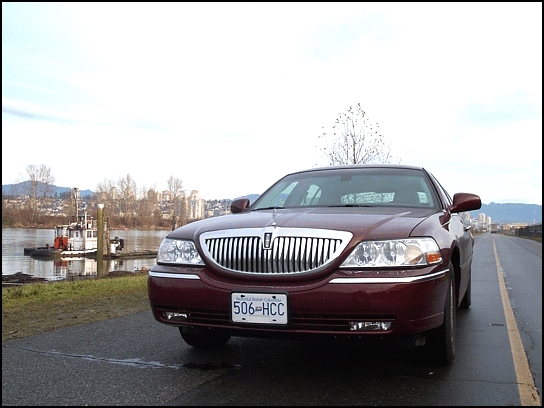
(100, 243)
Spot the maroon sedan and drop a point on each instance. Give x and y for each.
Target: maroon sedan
(343, 251)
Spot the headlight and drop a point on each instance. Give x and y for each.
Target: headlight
(178, 251)
(399, 252)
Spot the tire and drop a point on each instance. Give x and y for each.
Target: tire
(206, 338)
(442, 340)
(467, 299)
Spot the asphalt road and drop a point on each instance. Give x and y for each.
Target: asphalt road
(134, 360)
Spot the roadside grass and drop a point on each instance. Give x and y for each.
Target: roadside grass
(36, 308)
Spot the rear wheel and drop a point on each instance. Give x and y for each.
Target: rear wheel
(205, 338)
(442, 340)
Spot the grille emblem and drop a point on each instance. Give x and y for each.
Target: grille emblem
(267, 240)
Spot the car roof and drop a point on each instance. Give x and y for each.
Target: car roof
(362, 166)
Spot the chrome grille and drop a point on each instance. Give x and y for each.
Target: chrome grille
(292, 251)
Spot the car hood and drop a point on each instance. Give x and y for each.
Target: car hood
(377, 222)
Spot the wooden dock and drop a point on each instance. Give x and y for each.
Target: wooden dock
(128, 255)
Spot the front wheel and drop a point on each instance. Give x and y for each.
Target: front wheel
(205, 338)
(442, 340)
(467, 299)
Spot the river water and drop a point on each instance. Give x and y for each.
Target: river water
(14, 240)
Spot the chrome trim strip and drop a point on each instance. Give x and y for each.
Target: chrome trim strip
(410, 279)
(173, 275)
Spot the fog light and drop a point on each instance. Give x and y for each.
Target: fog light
(175, 316)
(369, 326)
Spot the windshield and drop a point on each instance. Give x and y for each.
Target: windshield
(350, 188)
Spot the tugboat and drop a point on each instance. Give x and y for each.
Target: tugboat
(77, 238)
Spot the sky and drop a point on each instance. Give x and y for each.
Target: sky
(230, 97)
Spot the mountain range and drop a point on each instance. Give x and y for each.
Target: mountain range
(511, 213)
(499, 213)
(13, 189)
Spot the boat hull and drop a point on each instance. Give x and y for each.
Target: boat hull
(51, 253)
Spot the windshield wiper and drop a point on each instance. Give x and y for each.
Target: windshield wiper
(351, 205)
(268, 208)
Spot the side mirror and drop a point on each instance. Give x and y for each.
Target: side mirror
(465, 202)
(240, 205)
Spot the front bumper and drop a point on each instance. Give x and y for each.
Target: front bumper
(320, 307)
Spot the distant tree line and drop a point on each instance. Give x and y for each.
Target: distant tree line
(125, 205)
(353, 140)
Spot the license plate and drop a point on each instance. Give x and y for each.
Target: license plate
(261, 308)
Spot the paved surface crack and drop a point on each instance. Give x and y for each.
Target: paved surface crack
(136, 362)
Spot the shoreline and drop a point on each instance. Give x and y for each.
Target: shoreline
(20, 278)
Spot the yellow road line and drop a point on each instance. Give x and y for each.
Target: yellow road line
(527, 391)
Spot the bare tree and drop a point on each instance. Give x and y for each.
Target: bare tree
(354, 140)
(127, 194)
(37, 188)
(175, 191)
(106, 193)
